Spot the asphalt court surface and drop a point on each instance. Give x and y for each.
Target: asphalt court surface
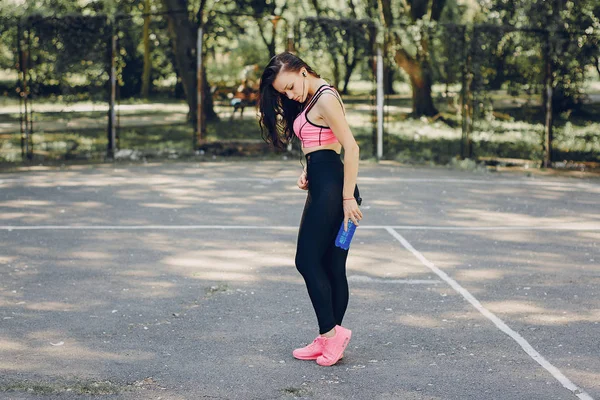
(176, 281)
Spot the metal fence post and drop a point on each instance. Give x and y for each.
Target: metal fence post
(200, 92)
(147, 63)
(463, 97)
(468, 101)
(22, 91)
(290, 36)
(25, 115)
(374, 115)
(380, 103)
(112, 123)
(548, 104)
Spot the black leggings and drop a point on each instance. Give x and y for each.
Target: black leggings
(319, 261)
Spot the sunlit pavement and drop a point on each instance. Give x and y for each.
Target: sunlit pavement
(177, 281)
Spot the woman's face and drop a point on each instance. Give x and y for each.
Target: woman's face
(291, 84)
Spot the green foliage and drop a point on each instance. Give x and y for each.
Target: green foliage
(8, 42)
(447, 52)
(224, 69)
(338, 35)
(572, 41)
(69, 60)
(349, 42)
(130, 55)
(66, 56)
(233, 39)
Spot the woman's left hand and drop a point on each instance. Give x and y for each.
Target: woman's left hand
(351, 212)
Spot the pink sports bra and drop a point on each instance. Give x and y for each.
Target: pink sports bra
(311, 134)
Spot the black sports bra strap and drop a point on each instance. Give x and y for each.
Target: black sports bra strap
(318, 94)
(313, 99)
(337, 96)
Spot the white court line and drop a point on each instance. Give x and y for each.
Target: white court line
(582, 226)
(566, 382)
(565, 227)
(291, 179)
(363, 278)
(142, 227)
(497, 321)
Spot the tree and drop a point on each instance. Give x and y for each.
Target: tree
(572, 41)
(344, 35)
(147, 60)
(346, 40)
(259, 9)
(184, 34)
(219, 21)
(407, 31)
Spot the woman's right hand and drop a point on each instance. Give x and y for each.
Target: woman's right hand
(303, 181)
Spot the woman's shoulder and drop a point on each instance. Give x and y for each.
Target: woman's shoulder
(330, 100)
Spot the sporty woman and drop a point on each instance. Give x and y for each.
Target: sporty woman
(295, 100)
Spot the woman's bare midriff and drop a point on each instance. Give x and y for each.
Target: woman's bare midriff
(337, 147)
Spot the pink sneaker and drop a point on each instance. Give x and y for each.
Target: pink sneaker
(333, 348)
(312, 351)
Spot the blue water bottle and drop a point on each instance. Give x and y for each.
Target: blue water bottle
(344, 238)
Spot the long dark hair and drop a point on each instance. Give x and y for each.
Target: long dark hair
(276, 111)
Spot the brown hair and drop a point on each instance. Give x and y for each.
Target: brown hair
(276, 111)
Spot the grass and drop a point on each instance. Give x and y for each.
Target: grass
(515, 130)
(79, 387)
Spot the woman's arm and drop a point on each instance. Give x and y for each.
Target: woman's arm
(332, 112)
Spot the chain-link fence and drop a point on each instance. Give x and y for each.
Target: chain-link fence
(507, 78)
(10, 114)
(151, 108)
(234, 62)
(59, 76)
(488, 92)
(57, 92)
(434, 85)
(342, 51)
(497, 95)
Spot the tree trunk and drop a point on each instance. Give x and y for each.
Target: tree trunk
(183, 34)
(336, 71)
(421, 81)
(334, 59)
(388, 79)
(209, 109)
(347, 75)
(146, 73)
(388, 70)
(422, 101)
(499, 77)
(269, 44)
(417, 66)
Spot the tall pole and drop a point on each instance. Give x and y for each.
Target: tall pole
(290, 36)
(28, 124)
(146, 34)
(28, 66)
(200, 92)
(22, 93)
(380, 103)
(464, 93)
(373, 57)
(290, 48)
(469, 101)
(548, 105)
(112, 116)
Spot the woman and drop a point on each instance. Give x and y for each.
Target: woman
(294, 99)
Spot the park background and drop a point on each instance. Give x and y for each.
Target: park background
(465, 82)
(147, 250)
